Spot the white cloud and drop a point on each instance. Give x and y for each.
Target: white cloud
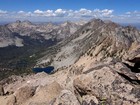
(132, 13)
(49, 13)
(63, 14)
(38, 11)
(21, 12)
(81, 13)
(85, 13)
(60, 13)
(128, 17)
(107, 12)
(128, 13)
(3, 12)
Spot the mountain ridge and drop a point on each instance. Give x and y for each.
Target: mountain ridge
(94, 37)
(98, 64)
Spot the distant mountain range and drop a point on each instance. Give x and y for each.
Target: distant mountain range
(38, 32)
(25, 44)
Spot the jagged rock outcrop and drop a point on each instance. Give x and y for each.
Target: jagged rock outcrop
(106, 85)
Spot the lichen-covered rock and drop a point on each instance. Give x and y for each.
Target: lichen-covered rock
(89, 99)
(66, 97)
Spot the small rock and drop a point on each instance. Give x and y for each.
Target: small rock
(88, 99)
(24, 93)
(11, 100)
(7, 100)
(45, 94)
(66, 97)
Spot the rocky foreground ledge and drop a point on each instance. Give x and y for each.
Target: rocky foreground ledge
(109, 82)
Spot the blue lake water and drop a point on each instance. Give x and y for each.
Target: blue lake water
(48, 69)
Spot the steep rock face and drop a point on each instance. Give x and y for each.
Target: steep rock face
(47, 31)
(66, 29)
(23, 28)
(7, 38)
(27, 28)
(97, 39)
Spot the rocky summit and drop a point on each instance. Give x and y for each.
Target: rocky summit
(95, 64)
